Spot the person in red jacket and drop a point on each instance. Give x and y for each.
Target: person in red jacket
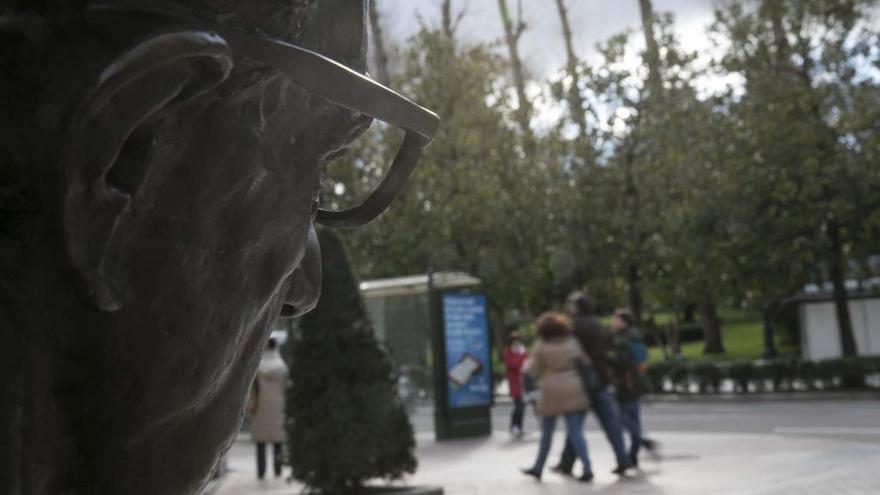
(514, 356)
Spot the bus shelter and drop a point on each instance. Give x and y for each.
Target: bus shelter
(436, 329)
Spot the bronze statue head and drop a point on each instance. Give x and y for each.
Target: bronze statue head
(160, 165)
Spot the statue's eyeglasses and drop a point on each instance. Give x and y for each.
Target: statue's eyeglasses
(334, 82)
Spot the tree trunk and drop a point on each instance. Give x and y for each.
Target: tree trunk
(689, 310)
(635, 293)
(512, 34)
(769, 340)
(380, 55)
(837, 269)
(666, 345)
(652, 51)
(780, 40)
(634, 207)
(576, 100)
(446, 13)
(675, 344)
(711, 329)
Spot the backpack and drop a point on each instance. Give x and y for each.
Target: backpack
(639, 352)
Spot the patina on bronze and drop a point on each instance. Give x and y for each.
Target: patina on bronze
(159, 169)
(331, 80)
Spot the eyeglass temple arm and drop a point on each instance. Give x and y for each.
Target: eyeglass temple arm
(350, 89)
(337, 83)
(314, 72)
(378, 201)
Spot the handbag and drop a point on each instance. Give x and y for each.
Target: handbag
(530, 388)
(253, 399)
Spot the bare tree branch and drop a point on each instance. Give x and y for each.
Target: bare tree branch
(380, 55)
(575, 98)
(652, 51)
(512, 34)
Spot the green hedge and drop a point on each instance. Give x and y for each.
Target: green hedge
(777, 375)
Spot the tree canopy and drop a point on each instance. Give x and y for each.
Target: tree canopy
(648, 190)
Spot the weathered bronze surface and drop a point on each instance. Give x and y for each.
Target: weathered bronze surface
(158, 181)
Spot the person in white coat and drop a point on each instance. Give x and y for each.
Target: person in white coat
(266, 407)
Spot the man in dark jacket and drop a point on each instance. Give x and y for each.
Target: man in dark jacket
(629, 381)
(595, 340)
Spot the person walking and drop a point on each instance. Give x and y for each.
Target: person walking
(514, 357)
(555, 366)
(595, 341)
(629, 360)
(266, 408)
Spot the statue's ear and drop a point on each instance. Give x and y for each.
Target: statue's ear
(337, 29)
(147, 80)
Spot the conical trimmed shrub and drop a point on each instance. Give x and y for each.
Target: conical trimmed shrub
(346, 423)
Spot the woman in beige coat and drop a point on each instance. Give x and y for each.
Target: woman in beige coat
(555, 366)
(266, 407)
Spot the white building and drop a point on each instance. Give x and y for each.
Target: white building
(820, 336)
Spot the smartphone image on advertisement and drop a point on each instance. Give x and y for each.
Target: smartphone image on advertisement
(464, 370)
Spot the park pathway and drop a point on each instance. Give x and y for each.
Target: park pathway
(775, 453)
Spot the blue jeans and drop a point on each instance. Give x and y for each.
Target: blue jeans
(631, 417)
(609, 418)
(574, 434)
(519, 409)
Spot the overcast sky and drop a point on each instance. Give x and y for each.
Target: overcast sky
(542, 45)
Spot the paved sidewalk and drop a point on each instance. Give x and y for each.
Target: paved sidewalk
(694, 463)
(730, 397)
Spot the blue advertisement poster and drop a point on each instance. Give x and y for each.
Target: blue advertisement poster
(466, 332)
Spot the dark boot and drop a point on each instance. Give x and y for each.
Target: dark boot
(653, 449)
(560, 469)
(532, 472)
(621, 470)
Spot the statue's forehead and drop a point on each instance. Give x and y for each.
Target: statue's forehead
(333, 28)
(279, 19)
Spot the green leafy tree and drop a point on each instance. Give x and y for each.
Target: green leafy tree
(653, 213)
(648, 191)
(804, 64)
(476, 202)
(346, 423)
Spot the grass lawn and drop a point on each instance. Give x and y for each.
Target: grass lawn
(741, 333)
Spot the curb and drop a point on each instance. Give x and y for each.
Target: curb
(405, 490)
(765, 397)
(216, 484)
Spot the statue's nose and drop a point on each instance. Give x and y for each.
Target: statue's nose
(305, 281)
